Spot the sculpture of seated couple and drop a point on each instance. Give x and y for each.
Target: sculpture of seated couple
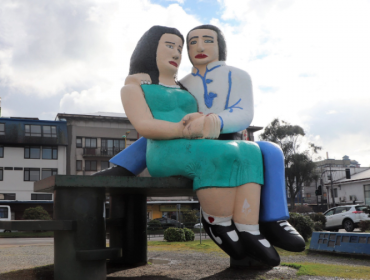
(190, 128)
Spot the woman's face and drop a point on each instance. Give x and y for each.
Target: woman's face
(169, 54)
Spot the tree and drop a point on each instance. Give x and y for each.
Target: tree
(190, 216)
(299, 167)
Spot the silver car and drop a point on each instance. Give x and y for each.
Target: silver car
(346, 216)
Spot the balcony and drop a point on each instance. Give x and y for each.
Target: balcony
(100, 152)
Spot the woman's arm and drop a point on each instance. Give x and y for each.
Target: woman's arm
(139, 114)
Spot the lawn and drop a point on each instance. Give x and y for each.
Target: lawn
(304, 268)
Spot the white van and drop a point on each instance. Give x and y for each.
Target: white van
(5, 215)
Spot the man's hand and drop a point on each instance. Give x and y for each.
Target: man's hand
(138, 79)
(193, 125)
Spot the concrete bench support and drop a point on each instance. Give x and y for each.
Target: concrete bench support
(128, 229)
(85, 206)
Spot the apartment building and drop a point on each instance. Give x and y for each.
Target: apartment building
(30, 150)
(94, 139)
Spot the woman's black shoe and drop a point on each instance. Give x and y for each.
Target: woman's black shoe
(257, 247)
(281, 234)
(226, 237)
(114, 171)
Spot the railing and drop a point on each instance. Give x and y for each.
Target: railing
(101, 151)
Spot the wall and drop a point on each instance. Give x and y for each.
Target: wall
(13, 180)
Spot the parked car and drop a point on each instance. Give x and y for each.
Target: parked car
(5, 215)
(198, 225)
(166, 222)
(346, 216)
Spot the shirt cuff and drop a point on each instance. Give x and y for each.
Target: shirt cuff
(222, 123)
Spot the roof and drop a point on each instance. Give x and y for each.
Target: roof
(361, 176)
(97, 115)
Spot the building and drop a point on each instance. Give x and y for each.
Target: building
(94, 139)
(353, 190)
(327, 170)
(30, 150)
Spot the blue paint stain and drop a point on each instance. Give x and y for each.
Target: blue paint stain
(208, 97)
(222, 123)
(228, 96)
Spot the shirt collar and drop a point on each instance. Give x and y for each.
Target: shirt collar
(210, 66)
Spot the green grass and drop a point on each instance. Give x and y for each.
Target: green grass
(26, 234)
(207, 246)
(330, 270)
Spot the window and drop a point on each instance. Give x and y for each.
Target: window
(48, 172)
(49, 131)
(104, 165)
(4, 213)
(111, 147)
(1, 151)
(31, 152)
(33, 130)
(50, 152)
(331, 212)
(41, 196)
(79, 142)
(7, 196)
(1, 174)
(335, 192)
(2, 128)
(339, 210)
(78, 165)
(90, 142)
(31, 174)
(90, 165)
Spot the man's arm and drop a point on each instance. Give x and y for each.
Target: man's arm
(238, 113)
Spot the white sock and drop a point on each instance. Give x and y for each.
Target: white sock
(252, 229)
(220, 221)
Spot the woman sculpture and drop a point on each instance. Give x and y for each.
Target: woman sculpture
(227, 174)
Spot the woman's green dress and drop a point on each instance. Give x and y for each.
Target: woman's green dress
(210, 163)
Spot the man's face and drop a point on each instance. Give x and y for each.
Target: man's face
(203, 46)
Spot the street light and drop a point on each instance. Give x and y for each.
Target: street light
(125, 136)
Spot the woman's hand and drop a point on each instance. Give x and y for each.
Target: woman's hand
(193, 125)
(138, 79)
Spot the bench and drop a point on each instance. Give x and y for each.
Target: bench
(346, 243)
(79, 225)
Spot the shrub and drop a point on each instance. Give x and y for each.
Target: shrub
(318, 226)
(364, 225)
(174, 234)
(189, 234)
(302, 209)
(303, 224)
(318, 217)
(36, 213)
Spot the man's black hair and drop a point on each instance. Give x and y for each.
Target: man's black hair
(144, 57)
(222, 51)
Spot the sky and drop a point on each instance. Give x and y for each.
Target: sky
(309, 60)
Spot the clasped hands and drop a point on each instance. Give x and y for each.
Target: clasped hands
(198, 125)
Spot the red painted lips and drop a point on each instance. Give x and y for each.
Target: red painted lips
(173, 63)
(201, 55)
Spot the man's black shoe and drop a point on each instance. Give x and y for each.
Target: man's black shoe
(281, 234)
(226, 238)
(257, 247)
(114, 171)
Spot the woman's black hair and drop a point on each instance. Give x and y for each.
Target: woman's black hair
(222, 51)
(144, 57)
